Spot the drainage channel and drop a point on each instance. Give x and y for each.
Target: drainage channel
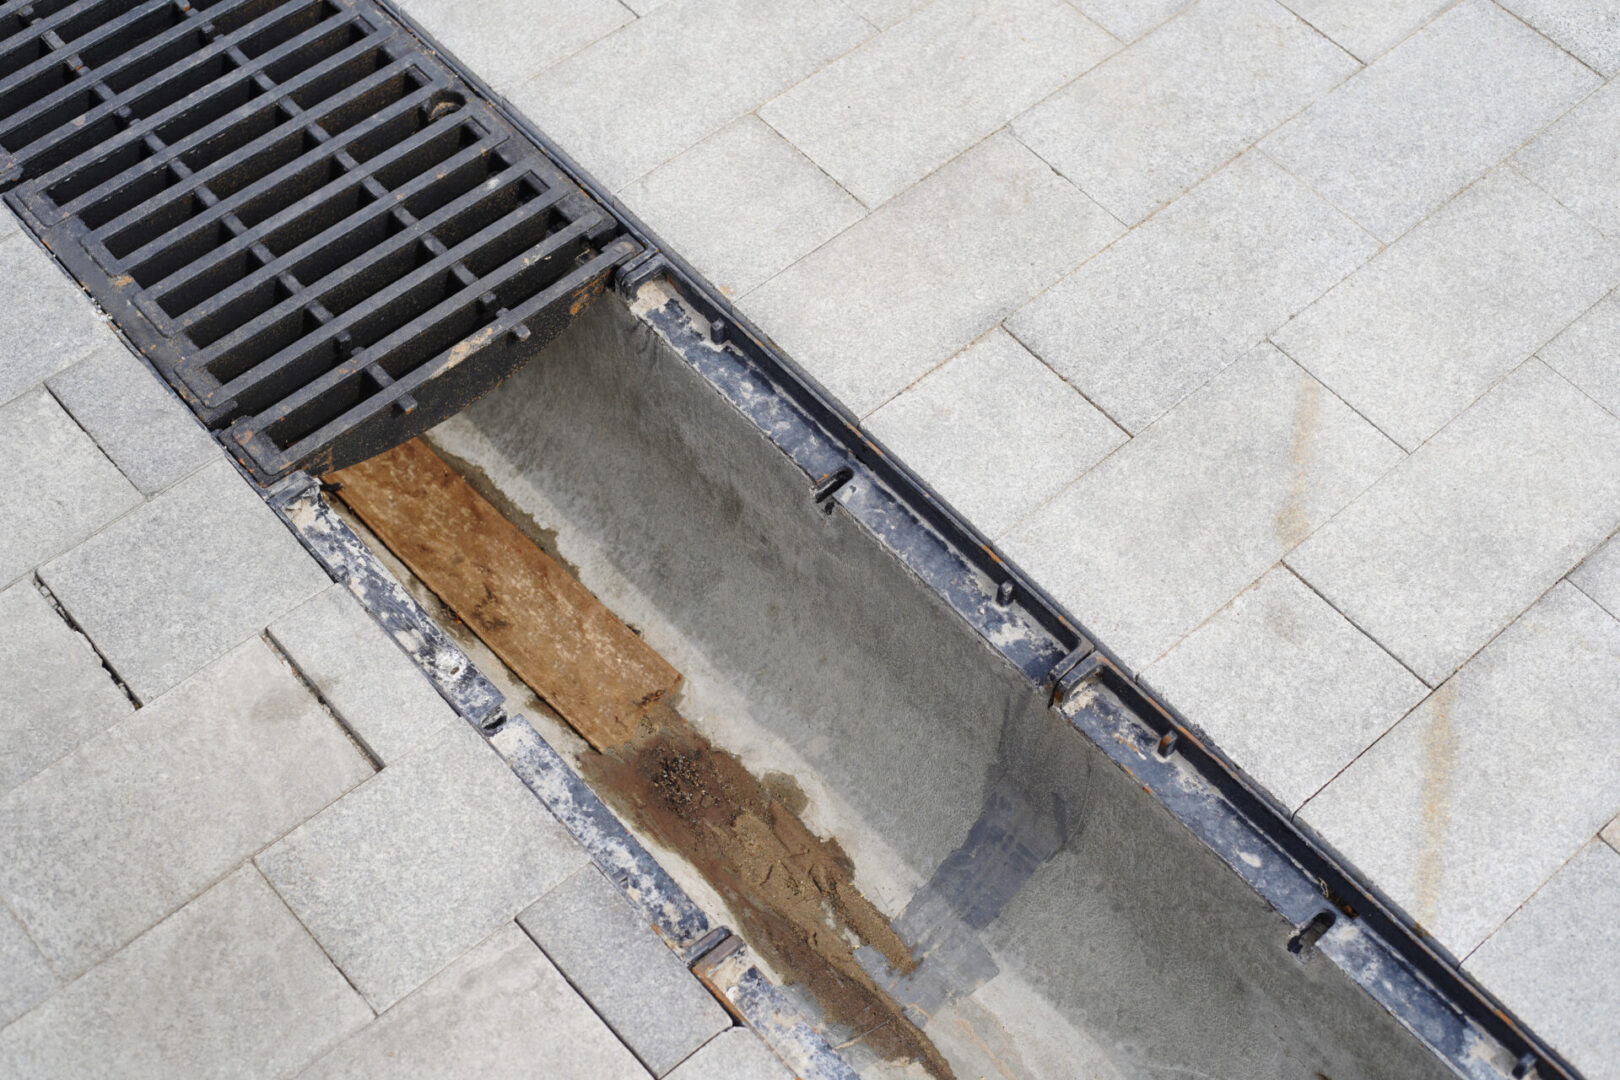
(328, 238)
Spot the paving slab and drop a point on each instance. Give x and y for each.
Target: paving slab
(1431, 323)
(1286, 686)
(1556, 962)
(1151, 319)
(54, 693)
(1130, 19)
(1431, 116)
(734, 1054)
(1368, 28)
(619, 963)
(1473, 800)
(47, 323)
(409, 871)
(378, 692)
(1578, 159)
(991, 412)
(177, 582)
(152, 438)
(1145, 125)
(1181, 519)
(695, 67)
(56, 486)
(907, 101)
(501, 1011)
(899, 293)
(1585, 353)
(507, 42)
(26, 978)
(230, 986)
(1450, 547)
(1589, 29)
(1599, 576)
(125, 829)
(742, 205)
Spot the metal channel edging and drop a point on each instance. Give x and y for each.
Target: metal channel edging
(1378, 947)
(716, 956)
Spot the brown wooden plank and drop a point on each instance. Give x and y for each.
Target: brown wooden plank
(545, 625)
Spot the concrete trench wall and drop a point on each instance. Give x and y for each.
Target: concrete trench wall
(1072, 928)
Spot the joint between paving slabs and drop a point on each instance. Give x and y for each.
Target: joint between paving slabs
(308, 684)
(72, 623)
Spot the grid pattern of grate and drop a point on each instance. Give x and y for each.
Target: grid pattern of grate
(305, 220)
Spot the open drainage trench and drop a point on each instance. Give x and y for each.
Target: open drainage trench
(952, 880)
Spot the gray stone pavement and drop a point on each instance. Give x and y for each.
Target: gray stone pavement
(241, 835)
(1278, 340)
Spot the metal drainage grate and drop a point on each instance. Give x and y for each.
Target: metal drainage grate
(306, 221)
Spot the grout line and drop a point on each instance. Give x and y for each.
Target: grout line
(252, 860)
(1545, 37)
(73, 624)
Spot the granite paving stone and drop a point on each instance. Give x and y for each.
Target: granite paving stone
(1473, 800)
(230, 986)
(742, 205)
(1611, 834)
(885, 13)
(128, 827)
(1433, 321)
(618, 962)
(1142, 127)
(734, 1054)
(1189, 291)
(1368, 28)
(991, 412)
(910, 285)
(1599, 576)
(406, 873)
(907, 101)
(1586, 353)
(1589, 29)
(374, 688)
(152, 438)
(1448, 548)
(501, 1011)
(47, 323)
(54, 693)
(1200, 505)
(1556, 962)
(56, 486)
(1577, 159)
(176, 582)
(1432, 115)
(507, 42)
(1130, 19)
(25, 977)
(1286, 686)
(696, 65)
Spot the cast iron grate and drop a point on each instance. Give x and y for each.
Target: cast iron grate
(309, 223)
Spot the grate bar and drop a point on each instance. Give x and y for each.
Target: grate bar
(208, 303)
(313, 227)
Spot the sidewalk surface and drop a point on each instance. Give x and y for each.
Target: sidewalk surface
(240, 833)
(1276, 339)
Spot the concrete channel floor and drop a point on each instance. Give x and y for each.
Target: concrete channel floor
(1277, 339)
(241, 835)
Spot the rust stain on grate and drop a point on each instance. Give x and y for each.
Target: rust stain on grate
(307, 222)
